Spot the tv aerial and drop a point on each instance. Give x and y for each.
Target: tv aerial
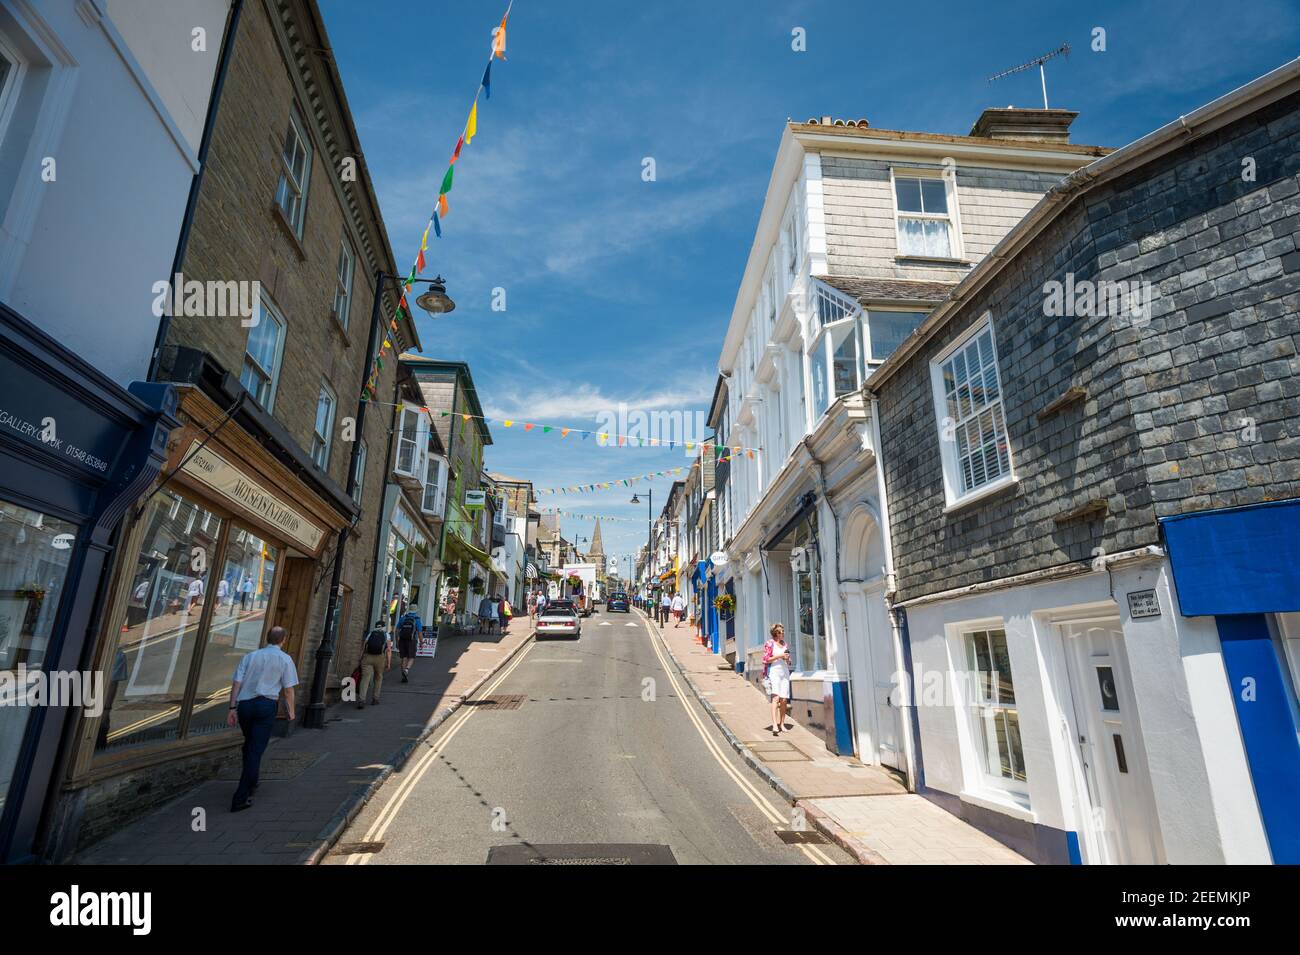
(1038, 61)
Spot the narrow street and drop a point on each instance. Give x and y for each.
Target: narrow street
(582, 767)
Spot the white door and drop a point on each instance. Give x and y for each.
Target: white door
(873, 657)
(1120, 822)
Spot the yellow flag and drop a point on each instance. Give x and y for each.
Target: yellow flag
(424, 239)
(471, 127)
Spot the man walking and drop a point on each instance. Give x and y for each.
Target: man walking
(376, 660)
(408, 640)
(678, 608)
(254, 699)
(665, 604)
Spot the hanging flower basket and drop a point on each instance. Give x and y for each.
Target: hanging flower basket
(453, 580)
(725, 605)
(575, 582)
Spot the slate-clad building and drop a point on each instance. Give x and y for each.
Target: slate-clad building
(1092, 483)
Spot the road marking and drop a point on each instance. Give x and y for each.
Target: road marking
(812, 852)
(386, 816)
(630, 623)
(606, 623)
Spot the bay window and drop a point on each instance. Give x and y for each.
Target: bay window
(412, 442)
(925, 222)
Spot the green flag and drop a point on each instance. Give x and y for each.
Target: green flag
(446, 181)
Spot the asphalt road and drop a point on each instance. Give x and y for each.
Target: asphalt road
(606, 756)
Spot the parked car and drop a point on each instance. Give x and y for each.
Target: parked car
(617, 602)
(559, 619)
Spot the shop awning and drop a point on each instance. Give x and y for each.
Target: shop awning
(530, 570)
(455, 542)
(807, 504)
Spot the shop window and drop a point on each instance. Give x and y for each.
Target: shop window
(973, 433)
(343, 283)
(925, 224)
(150, 668)
(810, 636)
(241, 604)
(323, 432)
(261, 372)
(994, 717)
(34, 553)
(295, 172)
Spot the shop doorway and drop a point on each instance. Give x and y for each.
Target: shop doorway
(293, 605)
(1119, 824)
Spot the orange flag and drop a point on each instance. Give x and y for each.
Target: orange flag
(499, 39)
(442, 205)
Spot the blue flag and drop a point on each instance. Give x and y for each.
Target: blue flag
(487, 81)
(437, 229)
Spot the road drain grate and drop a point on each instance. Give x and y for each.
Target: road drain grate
(358, 848)
(581, 854)
(795, 837)
(510, 701)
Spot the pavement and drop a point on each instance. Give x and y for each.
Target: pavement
(579, 751)
(313, 782)
(866, 810)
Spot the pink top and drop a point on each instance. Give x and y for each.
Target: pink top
(769, 654)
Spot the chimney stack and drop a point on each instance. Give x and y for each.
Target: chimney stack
(1032, 125)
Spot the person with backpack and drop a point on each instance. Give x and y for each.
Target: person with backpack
(409, 626)
(376, 660)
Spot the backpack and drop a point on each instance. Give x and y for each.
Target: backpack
(406, 629)
(376, 642)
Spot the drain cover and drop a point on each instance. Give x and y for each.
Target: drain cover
(581, 854)
(506, 702)
(793, 837)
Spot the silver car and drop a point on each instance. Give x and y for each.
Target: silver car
(559, 619)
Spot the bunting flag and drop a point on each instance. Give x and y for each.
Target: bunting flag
(589, 517)
(617, 482)
(440, 206)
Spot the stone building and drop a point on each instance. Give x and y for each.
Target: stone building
(242, 531)
(862, 232)
(1092, 474)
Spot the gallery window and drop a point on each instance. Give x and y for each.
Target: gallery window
(34, 553)
(994, 717)
(973, 441)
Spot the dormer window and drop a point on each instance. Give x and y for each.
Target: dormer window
(924, 209)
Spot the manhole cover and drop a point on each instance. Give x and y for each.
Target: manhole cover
(506, 702)
(354, 848)
(581, 854)
(793, 837)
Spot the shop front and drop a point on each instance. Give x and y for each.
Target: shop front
(406, 568)
(227, 545)
(76, 450)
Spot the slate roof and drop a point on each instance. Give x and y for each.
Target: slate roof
(868, 291)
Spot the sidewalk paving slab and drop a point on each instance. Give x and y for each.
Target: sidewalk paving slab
(314, 782)
(866, 810)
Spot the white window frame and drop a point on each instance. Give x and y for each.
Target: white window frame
(869, 358)
(362, 451)
(326, 440)
(956, 248)
(974, 703)
(9, 89)
(298, 127)
(273, 314)
(955, 494)
(417, 442)
(437, 483)
(343, 282)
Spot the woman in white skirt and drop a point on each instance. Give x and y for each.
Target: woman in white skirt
(776, 676)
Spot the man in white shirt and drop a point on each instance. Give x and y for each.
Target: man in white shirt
(195, 593)
(254, 701)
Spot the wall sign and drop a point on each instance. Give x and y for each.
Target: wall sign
(475, 499)
(212, 470)
(1143, 603)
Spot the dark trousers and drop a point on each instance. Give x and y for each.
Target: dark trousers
(256, 719)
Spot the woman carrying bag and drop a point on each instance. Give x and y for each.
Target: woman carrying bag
(776, 676)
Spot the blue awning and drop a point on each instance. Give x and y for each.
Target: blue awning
(1236, 560)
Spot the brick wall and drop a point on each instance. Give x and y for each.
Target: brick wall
(1167, 423)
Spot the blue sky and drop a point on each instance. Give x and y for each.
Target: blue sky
(619, 290)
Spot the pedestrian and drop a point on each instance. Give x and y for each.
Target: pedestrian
(665, 605)
(487, 609)
(376, 660)
(776, 676)
(195, 593)
(408, 641)
(254, 701)
(245, 591)
(542, 601)
(507, 613)
(532, 603)
(679, 608)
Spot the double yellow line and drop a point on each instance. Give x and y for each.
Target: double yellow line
(812, 852)
(412, 778)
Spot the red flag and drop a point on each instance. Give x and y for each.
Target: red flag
(456, 155)
(419, 261)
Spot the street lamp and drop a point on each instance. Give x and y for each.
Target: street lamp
(649, 525)
(435, 301)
